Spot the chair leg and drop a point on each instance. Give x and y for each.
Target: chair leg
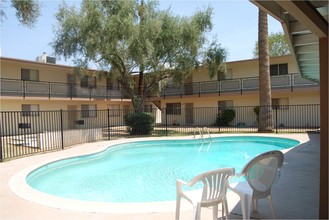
(177, 208)
(215, 212)
(245, 205)
(271, 205)
(225, 209)
(255, 205)
(197, 211)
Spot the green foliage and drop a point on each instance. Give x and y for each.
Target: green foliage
(27, 11)
(224, 117)
(140, 123)
(215, 59)
(278, 45)
(128, 37)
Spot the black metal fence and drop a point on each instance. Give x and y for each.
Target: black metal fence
(26, 133)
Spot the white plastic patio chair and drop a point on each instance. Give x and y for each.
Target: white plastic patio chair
(212, 193)
(259, 174)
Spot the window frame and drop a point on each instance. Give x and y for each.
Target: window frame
(88, 111)
(228, 104)
(279, 70)
(88, 82)
(30, 110)
(29, 74)
(114, 109)
(174, 108)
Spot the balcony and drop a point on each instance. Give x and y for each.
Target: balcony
(24, 89)
(240, 85)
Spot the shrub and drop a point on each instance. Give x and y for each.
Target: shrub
(140, 123)
(224, 117)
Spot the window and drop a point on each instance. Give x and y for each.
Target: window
(279, 69)
(112, 84)
(88, 111)
(227, 104)
(223, 76)
(88, 82)
(126, 109)
(173, 108)
(114, 110)
(30, 110)
(280, 103)
(29, 75)
(148, 108)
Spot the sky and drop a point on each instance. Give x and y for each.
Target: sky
(235, 27)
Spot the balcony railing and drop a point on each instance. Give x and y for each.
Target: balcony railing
(241, 85)
(16, 87)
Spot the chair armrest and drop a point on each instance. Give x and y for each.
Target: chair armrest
(179, 185)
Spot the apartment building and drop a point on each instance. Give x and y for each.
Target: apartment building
(43, 86)
(239, 86)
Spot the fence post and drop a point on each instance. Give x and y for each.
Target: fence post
(199, 85)
(108, 124)
(276, 119)
(24, 87)
(1, 157)
(62, 132)
(49, 90)
(166, 122)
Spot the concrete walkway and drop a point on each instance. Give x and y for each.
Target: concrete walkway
(295, 196)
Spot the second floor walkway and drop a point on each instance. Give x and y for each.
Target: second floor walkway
(24, 89)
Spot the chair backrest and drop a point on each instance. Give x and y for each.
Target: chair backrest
(261, 172)
(214, 184)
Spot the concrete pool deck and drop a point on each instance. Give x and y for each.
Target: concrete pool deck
(295, 195)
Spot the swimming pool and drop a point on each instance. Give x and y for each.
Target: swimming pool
(146, 171)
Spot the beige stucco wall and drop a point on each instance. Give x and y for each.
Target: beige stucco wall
(245, 68)
(11, 68)
(249, 68)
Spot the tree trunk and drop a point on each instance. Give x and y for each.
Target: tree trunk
(265, 99)
(139, 97)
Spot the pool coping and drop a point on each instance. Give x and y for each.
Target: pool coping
(19, 186)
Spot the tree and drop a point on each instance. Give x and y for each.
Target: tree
(27, 11)
(215, 59)
(278, 45)
(265, 112)
(129, 39)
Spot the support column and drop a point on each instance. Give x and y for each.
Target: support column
(324, 137)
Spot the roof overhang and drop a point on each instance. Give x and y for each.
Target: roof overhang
(303, 22)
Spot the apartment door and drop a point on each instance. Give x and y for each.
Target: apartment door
(72, 116)
(189, 113)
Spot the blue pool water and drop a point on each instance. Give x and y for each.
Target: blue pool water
(146, 171)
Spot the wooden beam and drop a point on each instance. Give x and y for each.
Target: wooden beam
(271, 8)
(304, 12)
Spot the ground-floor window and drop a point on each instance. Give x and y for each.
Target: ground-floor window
(225, 104)
(88, 111)
(30, 110)
(148, 108)
(114, 110)
(173, 108)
